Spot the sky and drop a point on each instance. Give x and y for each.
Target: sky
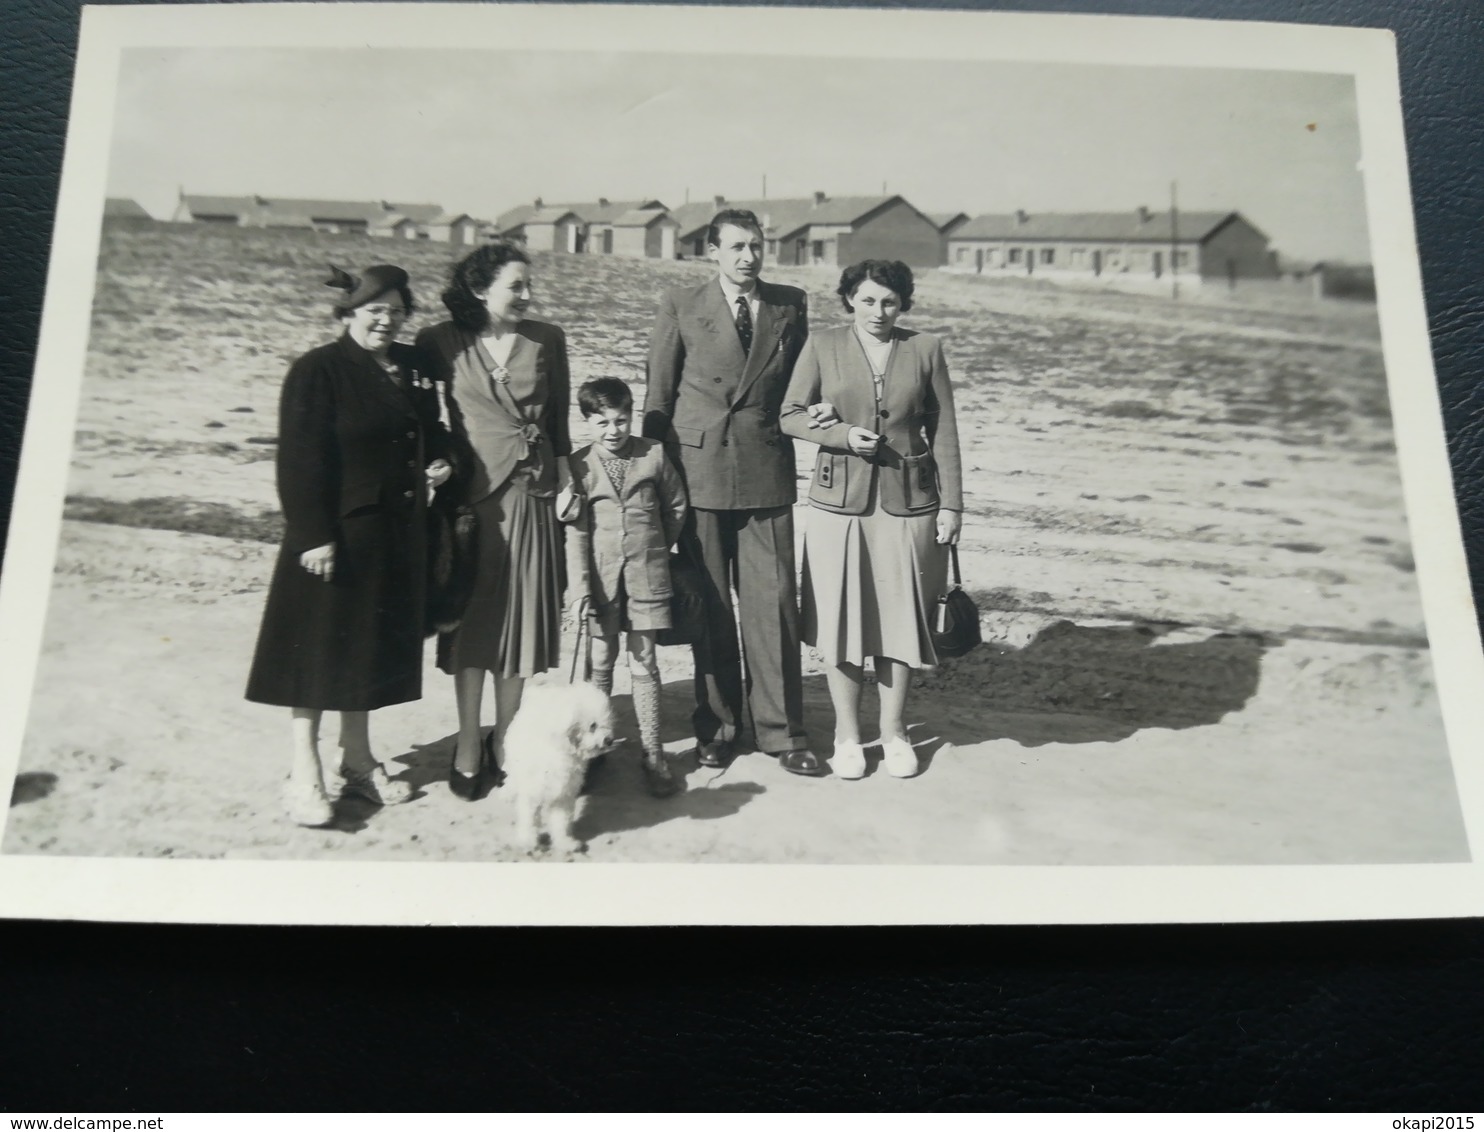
(482, 131)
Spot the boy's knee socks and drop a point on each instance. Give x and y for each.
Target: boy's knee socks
(603, 680)
(646, 691)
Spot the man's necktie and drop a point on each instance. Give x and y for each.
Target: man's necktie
(744, 323)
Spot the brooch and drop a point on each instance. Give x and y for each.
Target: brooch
(500, 374)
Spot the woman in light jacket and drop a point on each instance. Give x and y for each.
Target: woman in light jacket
(885, 500)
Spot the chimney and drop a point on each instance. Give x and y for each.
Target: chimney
(602, 202)
(719, 201)
(387, 206)
(1022, 216)
(1144, 214)
(260, 201)
(819, 199)
(539, 204)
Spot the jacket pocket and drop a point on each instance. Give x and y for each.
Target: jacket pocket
(919, 484)
(690, 437)
(828, 489)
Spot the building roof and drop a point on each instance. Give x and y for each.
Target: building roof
(944, 219)
(783, 216)
(125, 207)
(285, 211)
(590, 212)
(390, 221)
(1114, 227)
(451, 218)
(220, 206)
(640, 217)
(553, 214)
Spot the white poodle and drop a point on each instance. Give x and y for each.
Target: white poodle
(558, 730)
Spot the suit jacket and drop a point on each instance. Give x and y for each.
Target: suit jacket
(917, 466)
(625, 533)
(349, 437)
(716, 407)
(490, 444)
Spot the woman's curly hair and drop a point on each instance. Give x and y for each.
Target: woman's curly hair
(471, 279)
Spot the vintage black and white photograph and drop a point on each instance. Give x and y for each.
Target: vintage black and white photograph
(562, 438)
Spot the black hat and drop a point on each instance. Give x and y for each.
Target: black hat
(376, 281)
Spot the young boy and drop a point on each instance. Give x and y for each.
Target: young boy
(618, 554)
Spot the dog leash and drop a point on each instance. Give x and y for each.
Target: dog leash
(581, 649)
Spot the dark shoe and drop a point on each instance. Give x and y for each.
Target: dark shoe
(803, 762)
(470, 787)
(716, 754)
(465, 786)
(659, 779)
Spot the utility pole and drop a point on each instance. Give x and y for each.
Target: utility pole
(1174, 242)
(765, 186)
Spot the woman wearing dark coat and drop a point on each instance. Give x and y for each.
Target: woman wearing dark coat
(360, 447)
(509, 397)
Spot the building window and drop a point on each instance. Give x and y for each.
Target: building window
(773, 248)
(818, 250)
(1014, 255)
(1182, 259)
(1048, 255)
(1077, 255)
(961, 254)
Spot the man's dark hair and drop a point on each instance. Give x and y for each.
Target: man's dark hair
(737, 218)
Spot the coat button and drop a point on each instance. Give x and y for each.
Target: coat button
(412, 436)
(717, 380)
(884, 414)
(408, 494)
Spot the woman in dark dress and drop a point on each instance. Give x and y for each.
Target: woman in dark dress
(509, 397)
(360, 448)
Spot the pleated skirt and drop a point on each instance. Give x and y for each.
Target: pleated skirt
(870, 583)
(512, 624)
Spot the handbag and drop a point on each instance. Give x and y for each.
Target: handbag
(955, 628)
(687, 604)
(452, 563)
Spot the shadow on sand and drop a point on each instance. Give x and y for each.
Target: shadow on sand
(1099, 684)
(1070, 684)
(32, 786)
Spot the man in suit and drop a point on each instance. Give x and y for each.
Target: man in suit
(720, 359)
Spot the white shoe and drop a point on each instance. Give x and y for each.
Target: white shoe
(849, 760)
(376, 786)
(900, 759)
(307, 805)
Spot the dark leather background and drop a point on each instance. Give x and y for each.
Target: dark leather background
(1384, 1016)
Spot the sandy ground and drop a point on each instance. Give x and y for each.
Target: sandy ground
(1205, 638)
(1063, 742)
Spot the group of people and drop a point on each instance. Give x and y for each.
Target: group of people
(373, 433)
